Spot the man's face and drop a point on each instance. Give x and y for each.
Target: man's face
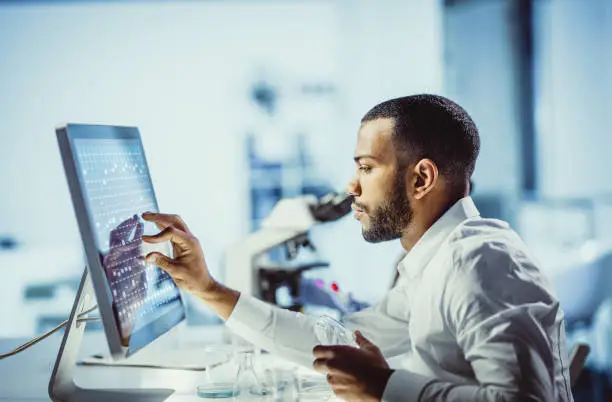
(379, 185)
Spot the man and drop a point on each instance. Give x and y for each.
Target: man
(471, 318)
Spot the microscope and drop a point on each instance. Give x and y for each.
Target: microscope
(249, 269)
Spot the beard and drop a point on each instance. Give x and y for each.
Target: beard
(388, 221)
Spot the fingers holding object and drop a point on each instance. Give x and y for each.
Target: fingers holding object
(165, 220)
(324, 352)
(329, 366)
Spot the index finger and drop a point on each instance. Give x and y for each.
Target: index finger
(324, 352)
(322, 365)
(171, 234)
(164, 220)
(333, 366)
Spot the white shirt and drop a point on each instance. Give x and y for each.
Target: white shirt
(471, 319)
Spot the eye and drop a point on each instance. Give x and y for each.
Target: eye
(365, 169)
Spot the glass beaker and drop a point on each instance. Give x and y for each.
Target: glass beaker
(331, 332)
(247, 386)
(287, 385)
(268, 385)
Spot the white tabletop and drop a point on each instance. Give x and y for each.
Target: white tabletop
(26, 376)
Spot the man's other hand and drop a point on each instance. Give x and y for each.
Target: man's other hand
(188, 268)
(354, 374)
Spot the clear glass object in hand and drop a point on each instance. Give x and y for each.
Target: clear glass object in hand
(331, 332)
(247, 386)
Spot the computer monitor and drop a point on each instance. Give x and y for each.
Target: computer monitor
(110, 185)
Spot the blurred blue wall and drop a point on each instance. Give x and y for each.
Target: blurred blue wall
(574, 97)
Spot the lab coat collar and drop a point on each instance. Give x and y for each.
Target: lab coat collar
(428, 244)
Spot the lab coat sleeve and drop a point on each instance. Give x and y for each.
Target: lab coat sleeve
(383, 324)
(498, 314)
(286, 333)
(291, 335)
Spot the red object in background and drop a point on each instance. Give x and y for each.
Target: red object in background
(335, 287)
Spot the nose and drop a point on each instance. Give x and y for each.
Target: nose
(353, 187)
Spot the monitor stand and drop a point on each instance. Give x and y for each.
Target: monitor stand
(62, 386)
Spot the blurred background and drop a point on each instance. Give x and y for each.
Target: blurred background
(242, 103)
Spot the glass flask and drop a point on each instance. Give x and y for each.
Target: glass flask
(247, 386)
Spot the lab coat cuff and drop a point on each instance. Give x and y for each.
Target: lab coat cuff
(404, 386)
(249, 312)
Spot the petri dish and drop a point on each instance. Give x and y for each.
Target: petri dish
(218, 378)
(216, 390)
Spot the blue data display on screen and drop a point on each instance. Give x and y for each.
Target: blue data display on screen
(115, 179)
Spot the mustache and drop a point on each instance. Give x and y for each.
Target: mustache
(360, 206)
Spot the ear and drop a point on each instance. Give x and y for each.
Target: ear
(426, 176)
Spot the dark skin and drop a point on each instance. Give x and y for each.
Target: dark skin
(376, 162)
(355, 374)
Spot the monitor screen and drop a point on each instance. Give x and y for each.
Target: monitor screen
(116, 189)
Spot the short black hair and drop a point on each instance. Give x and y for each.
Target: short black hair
(434, 127)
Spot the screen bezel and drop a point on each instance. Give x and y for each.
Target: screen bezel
(66, 135)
